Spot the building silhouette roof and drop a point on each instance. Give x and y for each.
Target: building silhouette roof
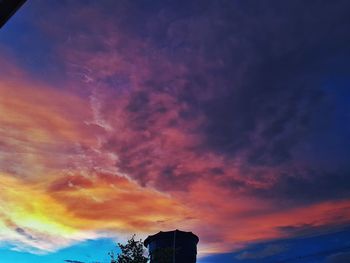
(170, 234)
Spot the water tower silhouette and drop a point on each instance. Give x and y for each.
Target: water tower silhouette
(172, 247)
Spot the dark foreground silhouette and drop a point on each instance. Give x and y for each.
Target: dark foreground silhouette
(172, 246)
(164, 247)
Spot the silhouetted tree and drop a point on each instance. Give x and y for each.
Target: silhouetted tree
(131, 252)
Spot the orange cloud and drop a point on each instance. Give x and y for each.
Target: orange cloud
(58, 187)
(226, 221)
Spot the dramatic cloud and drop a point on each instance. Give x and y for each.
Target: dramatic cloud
(57, 186)
(226, 118)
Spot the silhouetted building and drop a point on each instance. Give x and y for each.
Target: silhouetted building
(172, 247)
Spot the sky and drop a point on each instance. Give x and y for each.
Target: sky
(227, 118)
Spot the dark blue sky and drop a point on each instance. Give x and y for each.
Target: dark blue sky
(327, 248)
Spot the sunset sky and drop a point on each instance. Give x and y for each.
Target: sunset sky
(227, 118)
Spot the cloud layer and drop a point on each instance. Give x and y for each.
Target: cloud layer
(226, 118)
